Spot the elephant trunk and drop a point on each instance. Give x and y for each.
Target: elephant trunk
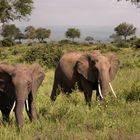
(104, 82)
(19, 112)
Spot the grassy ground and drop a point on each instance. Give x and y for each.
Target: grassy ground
(70, 119)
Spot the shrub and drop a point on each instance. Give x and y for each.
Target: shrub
(46, 55)
(7, 42)
(137, 43)
(123, 44)
(3, 55)
(64, 41)
(105, 47)
(134, 93)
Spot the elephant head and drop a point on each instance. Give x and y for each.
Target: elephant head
(25, 80)
(96, 67)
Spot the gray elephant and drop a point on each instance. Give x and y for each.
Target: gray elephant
(18, 86)
(90, 70)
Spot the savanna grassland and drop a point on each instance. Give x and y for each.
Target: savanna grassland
(69, 118)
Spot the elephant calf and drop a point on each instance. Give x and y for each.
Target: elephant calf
(18, 85)
(91, 71)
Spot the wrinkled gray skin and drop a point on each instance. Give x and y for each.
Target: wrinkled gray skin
(18, 83)
(85, 69)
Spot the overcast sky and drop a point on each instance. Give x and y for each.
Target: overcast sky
(82, 12)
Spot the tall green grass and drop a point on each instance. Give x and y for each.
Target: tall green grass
(68, 118)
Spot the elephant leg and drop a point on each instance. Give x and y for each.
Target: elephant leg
(32, 110)
(87, 88)
(5, 114)
(19, 112)
(55, 91)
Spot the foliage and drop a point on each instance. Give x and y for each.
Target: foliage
(72, 33)
(89, 39)
(68, 117)
(20, 36)
(30, 32)
(42, 33)
(137, 43)
(10, 31)
(14, 9)
(123, 44)
(7, 42)
(134, 93)
(136, 2)
(125, 30)
(105, 47)
(64, 41)
(116, 38)
(45, 55)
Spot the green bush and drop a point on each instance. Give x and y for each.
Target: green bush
(3, 55)
(134, 93)
(46, 55)
(7, 42)
(123, 44)
(137, 43)
(65, 41)
(105, 47)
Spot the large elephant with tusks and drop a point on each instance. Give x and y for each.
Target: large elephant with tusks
(90, 70)
(18, 86)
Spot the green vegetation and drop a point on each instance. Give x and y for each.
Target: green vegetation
(42, 33)
(69, 118)
(15, 9)
(89, 39)
(10, 31)
(125, 30)
(135, 2)
(46, 55)
(72, 33)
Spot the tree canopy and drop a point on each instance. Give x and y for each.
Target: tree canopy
(30, 32)
(10, 31)
(125, 30)
(14, 9)
(136, 2)
(42, 33)
(89, 39)
(72, 33)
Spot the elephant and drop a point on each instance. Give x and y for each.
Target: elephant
(89, 70)
(18, 86)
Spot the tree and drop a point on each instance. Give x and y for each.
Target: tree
(125, 30)
(30, 32)
(116, 38)
(42, 33)
(20, 36)
(10, 31)
(14, 9)
(133, 1)
(72, 33)
(89, 39)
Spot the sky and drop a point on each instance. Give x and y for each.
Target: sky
(82, 12)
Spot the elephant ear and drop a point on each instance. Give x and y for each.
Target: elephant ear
(85, 66)
(114, 61)
(9, 69)
(37, 77)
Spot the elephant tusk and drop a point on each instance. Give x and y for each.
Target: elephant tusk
(27, 105)
(99, 87)
(112, 90)
(13, 107)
